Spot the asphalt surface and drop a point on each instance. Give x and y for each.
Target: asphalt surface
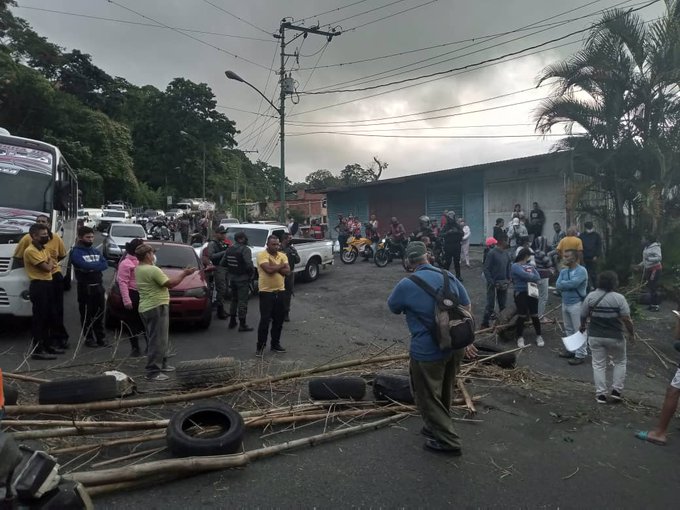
(542, 443)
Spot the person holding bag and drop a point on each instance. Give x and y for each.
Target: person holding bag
(524, 279)
(605, 313)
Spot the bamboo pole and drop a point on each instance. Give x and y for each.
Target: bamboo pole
(468, 401)
(104, 444)
(192, 465)
(26, 378)
(195, 395)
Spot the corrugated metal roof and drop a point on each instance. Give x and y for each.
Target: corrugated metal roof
(449, 171)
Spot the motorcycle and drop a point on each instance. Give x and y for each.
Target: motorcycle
(388, 250)
(356, 246)
(159, 232)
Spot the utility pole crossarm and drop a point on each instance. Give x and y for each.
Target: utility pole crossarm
(310, 30)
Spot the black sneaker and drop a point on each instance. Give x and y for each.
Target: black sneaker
(135, 353)
(53, 350)
(90, 343)
(278, 348)
(259, 353)
(576, 361)
(567, 354)
(601, 399)
(436, 446)
(42, 356)
(616, 396)
(232, 324)
(245, 327)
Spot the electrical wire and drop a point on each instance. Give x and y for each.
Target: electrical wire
(468, 66)
(302, 20)
(237, 17)
(429, 128)
(336, 22)
(187, 35)
(349, 133)
(389, 16)
(138, 23)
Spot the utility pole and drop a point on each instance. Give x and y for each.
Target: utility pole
(287, 87)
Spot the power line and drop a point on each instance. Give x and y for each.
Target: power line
(537, 24)
(329, 11)
(243, 111)
(336, 22)
(348, 133)
(429, 128)
(468, 66)
(389, 16)
(237, 17)
(188, 35)
(138, 23)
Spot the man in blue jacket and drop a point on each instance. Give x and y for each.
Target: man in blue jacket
(88, 265)
(497, 275)
(433, 371)
(572, 283)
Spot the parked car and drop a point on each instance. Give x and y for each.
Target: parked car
(111, 216)
(90, 217)
(174, 214)
(189, 301)
(228, 221)
(118, 235)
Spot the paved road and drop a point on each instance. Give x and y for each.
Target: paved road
(541, 444)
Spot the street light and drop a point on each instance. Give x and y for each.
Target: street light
(281, 111)
(184, 133)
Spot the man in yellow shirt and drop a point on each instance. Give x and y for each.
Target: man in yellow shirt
(272, 268)
(571, 242)
(39, 267)
(57, 251)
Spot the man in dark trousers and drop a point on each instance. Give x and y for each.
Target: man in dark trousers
(39, 266)
(536, 221)
(453, 237)
(272, 266)
(592, 251)
(238, 261)
(433, 371)
(214, 252)
(293, 258)
(497, 275)
(88, 265)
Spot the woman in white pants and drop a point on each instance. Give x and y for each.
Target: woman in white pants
(609, 313)
(465, 242)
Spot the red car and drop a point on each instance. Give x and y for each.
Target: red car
(189, 301)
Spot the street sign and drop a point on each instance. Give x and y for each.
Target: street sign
(168, 200)
(234, 195)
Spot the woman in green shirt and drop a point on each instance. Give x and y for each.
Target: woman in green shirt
(154, 305)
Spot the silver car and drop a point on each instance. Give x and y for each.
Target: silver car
(118, 235)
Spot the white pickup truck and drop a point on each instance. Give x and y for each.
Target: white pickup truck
(314, 254)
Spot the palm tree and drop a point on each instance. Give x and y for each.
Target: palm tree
(621, 92)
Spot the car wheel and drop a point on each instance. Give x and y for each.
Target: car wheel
(78, 391)
(333, 388)
(228, 439)
(311, 271)
(204, 323)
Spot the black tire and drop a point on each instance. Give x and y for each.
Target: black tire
(393, 386)
(78, 391)
(381, 257)
(508, 360)
(349, 255)
(11, 393)
(182, 444)
(311, 271)
(368, 252)
(203, 372)
(332, 388)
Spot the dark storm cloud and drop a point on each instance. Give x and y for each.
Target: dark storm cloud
(146, 55)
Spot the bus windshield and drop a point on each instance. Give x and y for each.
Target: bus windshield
(26, 177)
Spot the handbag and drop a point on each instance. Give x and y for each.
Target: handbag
(532, 290)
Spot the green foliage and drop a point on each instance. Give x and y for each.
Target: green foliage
(322, 179)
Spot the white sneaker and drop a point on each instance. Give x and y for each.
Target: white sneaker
(520, 342)
(539, 341)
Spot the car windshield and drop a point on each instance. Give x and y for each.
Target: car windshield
(175, 255)
(25, 178)
(128, 231)
(256, 236)
(114, 214)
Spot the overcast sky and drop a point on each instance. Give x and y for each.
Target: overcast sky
(148, 55)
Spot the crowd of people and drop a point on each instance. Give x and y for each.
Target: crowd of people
(519, 259)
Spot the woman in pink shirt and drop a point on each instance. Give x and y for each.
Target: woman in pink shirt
(125, 277)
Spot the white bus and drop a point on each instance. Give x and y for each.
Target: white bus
(34, 179)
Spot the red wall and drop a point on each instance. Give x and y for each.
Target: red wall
(406, 201)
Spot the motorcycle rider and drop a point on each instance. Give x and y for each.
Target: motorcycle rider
(452, 233)
(238, 261)
(424, 229)
(397, 230)
(214, 252)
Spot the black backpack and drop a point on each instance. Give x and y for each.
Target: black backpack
(454, 326)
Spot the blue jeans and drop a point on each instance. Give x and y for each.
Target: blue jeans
(494, 295)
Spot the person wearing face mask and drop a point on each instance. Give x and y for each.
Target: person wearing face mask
(57, 251)
(39, 266)
(88, 266)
